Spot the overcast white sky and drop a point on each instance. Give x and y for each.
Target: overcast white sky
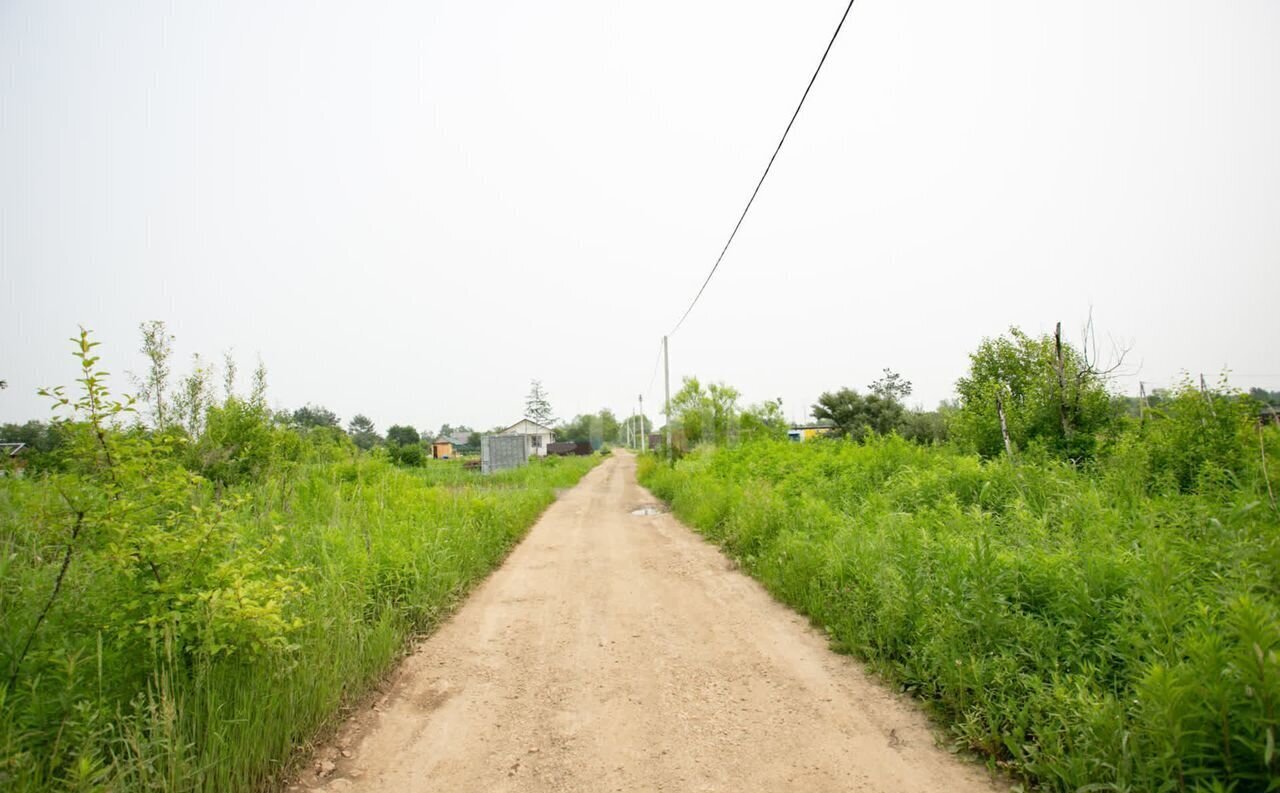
(409, 209)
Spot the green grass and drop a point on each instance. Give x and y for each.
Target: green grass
(372, 555)
(1080, 628)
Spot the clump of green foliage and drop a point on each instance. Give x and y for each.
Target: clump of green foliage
(597, 429)
(1052, 395)
(1109, 626)
(711, 414)
(180, 609)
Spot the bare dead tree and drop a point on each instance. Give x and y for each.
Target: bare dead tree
(1092, 359)
(1091, 367)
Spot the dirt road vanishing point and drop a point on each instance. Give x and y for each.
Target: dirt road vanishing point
(621, 652)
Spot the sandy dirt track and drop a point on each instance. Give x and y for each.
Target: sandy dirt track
(616, 652)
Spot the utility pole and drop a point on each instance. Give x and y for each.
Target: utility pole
(666, 387)
(644, 436)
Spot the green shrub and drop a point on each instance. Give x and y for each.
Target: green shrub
(238, 442)
(1195, 437)
(1059, 402)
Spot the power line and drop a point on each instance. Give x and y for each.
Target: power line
(648, 390)
(743, 216)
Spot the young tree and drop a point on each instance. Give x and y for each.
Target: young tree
(194, 397)
(576, 430)
(258, 390)
(764, 420)
(157, 346)
(705, 415)
(892, 386)
(229, 370)
(362, 432)
(310, 416)
(689, 410)
(609, 426)
(723, 402)
(537, 407)
(403, 435)
(927, 427)
(594, 428)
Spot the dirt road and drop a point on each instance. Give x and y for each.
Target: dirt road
(615, 651)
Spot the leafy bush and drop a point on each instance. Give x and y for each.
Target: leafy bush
(924, 426)
(409, 454)
(1195, 436)
(1051, 394)
(238, 442)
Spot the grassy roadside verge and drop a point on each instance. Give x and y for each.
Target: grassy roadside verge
(1079, 629)
(296, 596)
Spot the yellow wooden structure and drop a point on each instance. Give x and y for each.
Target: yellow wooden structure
(807, 432)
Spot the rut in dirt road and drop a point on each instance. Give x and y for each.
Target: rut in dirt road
(616, 651)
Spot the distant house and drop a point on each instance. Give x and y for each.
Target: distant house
(807, 432)
(538, 437)
(446, 446)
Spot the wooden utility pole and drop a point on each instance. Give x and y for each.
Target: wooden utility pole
(1062, 381)
(666, 387)
(644, 436)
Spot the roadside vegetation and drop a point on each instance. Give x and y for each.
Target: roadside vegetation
(191, 586)
(1085, 588)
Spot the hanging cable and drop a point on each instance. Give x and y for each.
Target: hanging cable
(743, 216)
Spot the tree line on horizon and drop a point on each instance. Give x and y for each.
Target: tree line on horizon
(1022, 394)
